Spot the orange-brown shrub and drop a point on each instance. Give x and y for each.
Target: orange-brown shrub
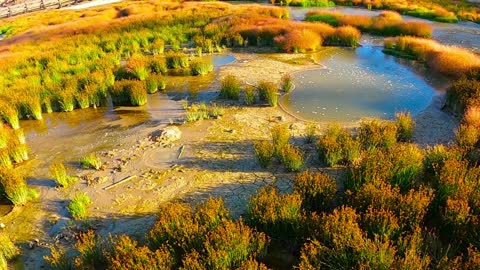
(448, 60)
(299, 41)
(318, 190)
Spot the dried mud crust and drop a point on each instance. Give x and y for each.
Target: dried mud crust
(217, 160)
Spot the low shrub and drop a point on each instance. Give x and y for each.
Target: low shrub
(337, 146)
(59, 174)
(467, 136)
(58, 259)
(91, 161)
(310, 133)
(318, 190)
(280, 137)
(375, 133)
(78, 206)
(292, 158)
(230, 87)
(405, 126)
(279, 216)
(268, 92)
(264, 151)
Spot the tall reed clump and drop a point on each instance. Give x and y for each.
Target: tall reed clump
(338, 146)
(268, 92)
(250, 95)
(59, 174)
(8, 250)
(91, 161)
(15, 187)
(9, 113)
(230, 88)
(405, 126)
(201, 66)
(78, 207)
(128, 92)
(318, 190)
(286, 83)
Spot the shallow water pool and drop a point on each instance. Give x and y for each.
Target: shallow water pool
(357, 83)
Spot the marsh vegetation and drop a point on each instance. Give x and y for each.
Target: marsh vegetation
(362, 196)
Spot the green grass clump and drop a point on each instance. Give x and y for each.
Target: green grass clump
(264, 152)
(250, 95)
(157, 46)
(230, 88)
(405, 126)
(19, 153)
(9, 113)
(157, 65)
(292, 158)
(176, 60)
(268, 92)
(151, 85)
(197, 112)
(201, 66)
(78, 206)
(14, 185)
(287, 83)
(91, 161)
(8, 250)
(137, 66)
(59, 174)
(129, 92)
(5, 160)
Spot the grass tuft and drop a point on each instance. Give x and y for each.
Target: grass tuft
(78, 206)
(91, 161)
(59, 174)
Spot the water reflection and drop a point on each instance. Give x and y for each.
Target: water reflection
(358, 83)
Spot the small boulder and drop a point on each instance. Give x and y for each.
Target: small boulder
(169, 134)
